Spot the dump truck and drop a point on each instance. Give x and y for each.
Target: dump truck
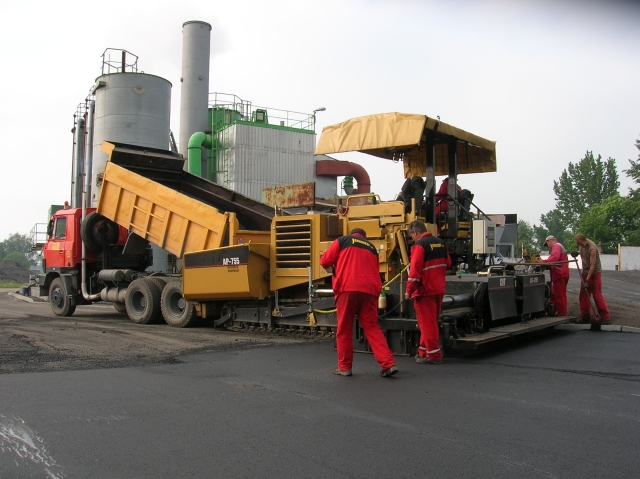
(146, 196)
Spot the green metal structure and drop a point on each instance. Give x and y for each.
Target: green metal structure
(226, 110)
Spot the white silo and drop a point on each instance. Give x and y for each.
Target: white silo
(132, 108)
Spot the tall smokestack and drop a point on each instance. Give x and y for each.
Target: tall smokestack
(194, 97)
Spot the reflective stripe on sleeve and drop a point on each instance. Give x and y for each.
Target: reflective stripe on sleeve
(414, 279)
(435, 266)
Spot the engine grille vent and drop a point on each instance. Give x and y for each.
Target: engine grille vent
(293, 244)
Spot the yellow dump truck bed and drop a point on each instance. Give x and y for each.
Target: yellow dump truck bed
(148, 192)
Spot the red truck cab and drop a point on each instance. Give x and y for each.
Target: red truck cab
(63, 248)
(104, 243)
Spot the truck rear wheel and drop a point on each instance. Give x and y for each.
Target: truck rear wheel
(96, 231)
(59, 299)
(143, 301)
(177, 311)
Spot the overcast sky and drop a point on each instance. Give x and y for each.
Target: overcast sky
(546, 80)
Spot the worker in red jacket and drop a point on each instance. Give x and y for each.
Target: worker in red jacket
(442, 203)
(559, 274)
(357, 286)
(429, 263)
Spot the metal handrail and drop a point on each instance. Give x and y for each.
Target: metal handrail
(466, 210)
(287, 118)
(38, 236)
(120, 65)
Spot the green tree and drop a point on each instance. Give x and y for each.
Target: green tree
(583, 185)
(615, 220)
(525, 238)
(552, 223)
(634, 173)
(17, 243)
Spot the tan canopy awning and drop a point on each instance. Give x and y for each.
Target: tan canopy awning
(402, 136)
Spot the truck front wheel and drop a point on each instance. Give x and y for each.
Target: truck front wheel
(59, 299)
(142, 301)
(177, 311)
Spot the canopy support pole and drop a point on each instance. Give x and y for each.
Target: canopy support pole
(430, 203)
(452, 189)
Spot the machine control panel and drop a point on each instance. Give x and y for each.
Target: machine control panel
(484, 237)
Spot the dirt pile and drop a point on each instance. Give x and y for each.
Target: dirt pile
(10, 271)
(623, 314)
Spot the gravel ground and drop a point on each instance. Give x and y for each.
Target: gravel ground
(33, 339)
(624, 314)
(621, 290)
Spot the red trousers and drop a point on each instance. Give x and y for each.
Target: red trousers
(595, 290)
(427, 311)
(559, 295)
(350, 304)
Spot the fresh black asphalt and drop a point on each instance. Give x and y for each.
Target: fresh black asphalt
(563, 404)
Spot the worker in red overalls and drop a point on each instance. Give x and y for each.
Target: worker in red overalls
(592, 282)
(442, 201)
(429, 263)
(357, 286)
(559, 274)
(441, 197)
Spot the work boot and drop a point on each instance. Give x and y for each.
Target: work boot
(386, 373)
(584, 321)
(426, 360)
(605, 322)
(342, 372)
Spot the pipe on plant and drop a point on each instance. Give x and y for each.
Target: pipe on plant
(335, 168)
(76, 199)
(88, 164)
(198, 141)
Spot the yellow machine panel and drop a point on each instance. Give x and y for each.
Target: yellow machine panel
(294, 249)
(233, 272)
(297, 242)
